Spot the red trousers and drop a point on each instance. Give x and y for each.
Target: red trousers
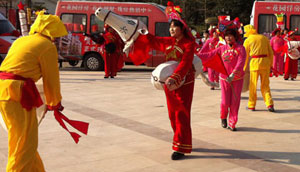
(111, 64)
(179, 104)
(290, 68)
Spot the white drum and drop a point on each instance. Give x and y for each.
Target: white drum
(129, 29)
(197, 62)
(293, 52)
(164, 70)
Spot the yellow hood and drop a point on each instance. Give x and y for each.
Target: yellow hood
(48, 25)
(249, 30)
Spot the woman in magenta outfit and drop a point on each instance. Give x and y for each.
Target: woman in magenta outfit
(233, 56)
(277, 43)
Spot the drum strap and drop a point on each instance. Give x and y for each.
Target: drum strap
(30, 95)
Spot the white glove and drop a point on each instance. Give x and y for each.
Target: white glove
(229, 79)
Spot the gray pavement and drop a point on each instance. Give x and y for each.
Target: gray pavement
(130, 130)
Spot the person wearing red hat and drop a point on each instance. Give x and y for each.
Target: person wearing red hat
(211, 44)
(110, 53)
(233, 56)
(277, 43)
(291, 65)
(179, 87)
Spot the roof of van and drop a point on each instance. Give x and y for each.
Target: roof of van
(114, 2)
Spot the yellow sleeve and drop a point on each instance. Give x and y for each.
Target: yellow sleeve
(246, 45)
(50, 73)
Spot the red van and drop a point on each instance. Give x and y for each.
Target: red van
(79, 18)
(264, 20)
(8, 34)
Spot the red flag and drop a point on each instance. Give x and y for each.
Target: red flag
(215, 63)
(140, 51)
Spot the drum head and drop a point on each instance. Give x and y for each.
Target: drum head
(294, 54)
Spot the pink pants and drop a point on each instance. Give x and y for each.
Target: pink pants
(278, 62)
(231, 96)
(213, 76)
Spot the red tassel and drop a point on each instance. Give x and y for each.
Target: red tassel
(80, 126)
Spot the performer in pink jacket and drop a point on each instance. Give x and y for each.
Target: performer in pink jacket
(277, 43)
(211, 44)
(233, 56)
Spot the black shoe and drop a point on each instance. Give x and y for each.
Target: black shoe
(292, 79)
(224, 123)
(212, 88)
(271, 109)
(112, 77)
(177, 156)
(232, 129)
(286, 78)
(105, 77)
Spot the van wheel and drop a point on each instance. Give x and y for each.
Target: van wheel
(93, 62)
(73, 62)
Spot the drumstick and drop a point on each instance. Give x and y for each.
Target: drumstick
(43, 116)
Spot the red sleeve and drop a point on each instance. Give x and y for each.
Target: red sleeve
(206, 55)
(186, 62)
(144, 43)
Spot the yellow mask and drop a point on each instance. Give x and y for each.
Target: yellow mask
(48, 25)
(249, 30)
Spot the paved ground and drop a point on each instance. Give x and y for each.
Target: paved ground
(130, 130)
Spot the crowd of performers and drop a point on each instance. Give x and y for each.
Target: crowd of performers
(35, 56)
(240, 53)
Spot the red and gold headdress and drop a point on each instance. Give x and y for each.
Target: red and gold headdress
(280, 20)
(174, 13)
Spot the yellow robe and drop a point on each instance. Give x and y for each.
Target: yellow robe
(33, 56)
(257, 44)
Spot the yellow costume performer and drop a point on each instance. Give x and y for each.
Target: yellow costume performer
(260, 54)
(30, 57)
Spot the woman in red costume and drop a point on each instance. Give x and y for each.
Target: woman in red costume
(179, 47)
(291, 65)
(110, 52)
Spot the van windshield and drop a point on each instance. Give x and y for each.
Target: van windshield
(6, 27)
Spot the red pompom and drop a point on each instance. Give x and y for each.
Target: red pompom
(170, 3)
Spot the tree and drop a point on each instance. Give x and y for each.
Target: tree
(196, 11)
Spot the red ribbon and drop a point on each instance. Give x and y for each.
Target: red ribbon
(79, 125)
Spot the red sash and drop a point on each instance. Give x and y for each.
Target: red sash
(30, 95)
(259, 56)
(31, 98)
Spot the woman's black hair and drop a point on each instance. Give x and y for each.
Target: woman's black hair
(177, 23)
(232, 32)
